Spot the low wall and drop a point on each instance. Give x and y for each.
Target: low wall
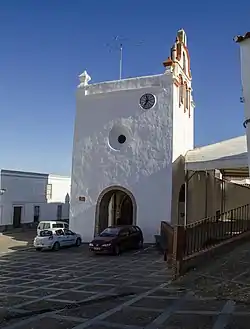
(201, 257)
(196, 240)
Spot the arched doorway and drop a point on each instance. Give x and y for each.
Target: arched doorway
(115, 206)
(181, 205)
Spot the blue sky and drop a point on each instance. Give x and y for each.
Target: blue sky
(45, 44)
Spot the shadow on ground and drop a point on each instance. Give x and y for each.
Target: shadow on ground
(16, 240)
(224, 277)
(213, 296)
(75, 288)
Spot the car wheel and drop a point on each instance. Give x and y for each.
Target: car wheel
(117, 250)
(140, 244)
(56, 246)
(78, 242)
(38, 249)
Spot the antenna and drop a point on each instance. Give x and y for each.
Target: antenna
(117, 44)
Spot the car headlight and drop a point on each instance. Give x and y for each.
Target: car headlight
(106, 245)
(91, 245)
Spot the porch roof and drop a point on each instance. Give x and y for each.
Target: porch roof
(229, 156)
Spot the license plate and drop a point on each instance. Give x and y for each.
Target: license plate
(97, 248)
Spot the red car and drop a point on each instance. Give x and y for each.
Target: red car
(115, 239)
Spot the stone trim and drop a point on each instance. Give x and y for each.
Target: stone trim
(103, 193)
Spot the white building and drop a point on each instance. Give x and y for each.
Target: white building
(127, 135)
(27, 198)
(244, 42)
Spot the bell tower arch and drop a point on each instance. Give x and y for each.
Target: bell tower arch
(183, 105)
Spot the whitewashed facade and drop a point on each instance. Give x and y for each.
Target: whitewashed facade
(121, 146)
(27, 198)
(244, 42)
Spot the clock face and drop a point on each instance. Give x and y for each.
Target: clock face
(147, 101)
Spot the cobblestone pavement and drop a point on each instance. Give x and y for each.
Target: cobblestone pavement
(31, 281)
(225, 285)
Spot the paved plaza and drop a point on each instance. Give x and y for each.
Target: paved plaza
(78, 290)
(16, 240)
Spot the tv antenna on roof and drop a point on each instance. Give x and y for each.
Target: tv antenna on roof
(117, 44)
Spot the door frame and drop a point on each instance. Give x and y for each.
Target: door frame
(99, 200)
(22, 212)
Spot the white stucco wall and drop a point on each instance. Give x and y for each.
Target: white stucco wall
(245, 78)
(22, 188)
(60, 187)
(143, 166)
(27, 190)
(183, 126)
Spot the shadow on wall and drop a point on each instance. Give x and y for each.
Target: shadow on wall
(209, 195)
(156, 190)
(35, 203)
(27, 215)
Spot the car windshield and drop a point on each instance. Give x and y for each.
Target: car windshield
(46, 233)
(110, 231)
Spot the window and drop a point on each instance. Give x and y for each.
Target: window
(49, 191)
(110, 231)
(124, 232)
(133, 229)
(46, 233)
(59, 212)
(46, 226)
(187, 98)
(181, 93)
(57, 225)
(59, 232)
(68, 232)
(184, 63)
(36, 213)
(181, 90)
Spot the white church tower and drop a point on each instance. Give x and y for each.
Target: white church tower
(183, 105)
(244, 42)
(127, 134)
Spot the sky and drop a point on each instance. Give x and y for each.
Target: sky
(46, 44)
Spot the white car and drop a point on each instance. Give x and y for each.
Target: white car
(55, 239)
(51, 225)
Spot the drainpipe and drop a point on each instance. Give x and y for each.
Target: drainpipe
(222, 192)
(187, 179)
(206, 194)
(186, 198)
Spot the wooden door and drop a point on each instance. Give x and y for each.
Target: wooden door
(17, 215)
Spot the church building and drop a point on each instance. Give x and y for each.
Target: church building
(244, 42)
(127, 135)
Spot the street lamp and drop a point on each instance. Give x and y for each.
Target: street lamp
(2, 191)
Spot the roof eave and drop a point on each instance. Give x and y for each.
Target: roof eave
(240, 38)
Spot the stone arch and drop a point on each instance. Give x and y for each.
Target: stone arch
(102, 205)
